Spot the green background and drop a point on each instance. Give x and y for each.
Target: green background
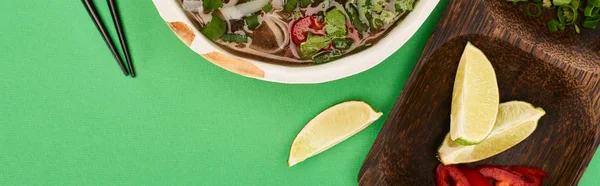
(68, 116)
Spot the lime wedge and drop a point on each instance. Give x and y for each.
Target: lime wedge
(331, 127)
(516, 121)
(475, 98)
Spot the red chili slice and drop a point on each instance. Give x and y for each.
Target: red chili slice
(474, 177)
(316, 24)
(304, 25)
(502, 177)
(444, 173)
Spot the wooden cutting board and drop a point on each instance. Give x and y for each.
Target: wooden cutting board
(556, 71)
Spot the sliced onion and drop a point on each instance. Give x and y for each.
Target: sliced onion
(284, 30)
(241, 10)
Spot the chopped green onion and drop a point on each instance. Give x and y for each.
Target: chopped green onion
(591, 10)
(577, 29)
(267, 8)
(290, 5)
(538, 9)
(561, 27)
(252, 22)
(215, 28)
(236, 38)
(210, 5)
(553, 25)
(588, 10)
(561, 2)
(591, 22)
(376, 24)
(305, 3)
(567, 15)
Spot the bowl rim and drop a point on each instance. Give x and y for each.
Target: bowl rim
(349, 65)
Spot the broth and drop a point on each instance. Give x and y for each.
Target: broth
(296, 32)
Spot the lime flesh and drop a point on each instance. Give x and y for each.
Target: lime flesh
(515, 122)
(475, 98)
(331, 127)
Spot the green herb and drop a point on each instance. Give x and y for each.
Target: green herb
(364, 9)
(215, 28)
(547, 3)
(252, 22)
(375, 23)
(290, 5)
(267, 8)
(335, 23)
(210, 5)
(321, 17)
(342, 43)
(327, 56)
(538, 10)
(355, 20)
(297, 15)
(313, 44)
(377, 5)
(236, 38)
(405, 5)
(388, 17)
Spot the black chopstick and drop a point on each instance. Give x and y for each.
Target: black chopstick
(117, 21)
(89, 5)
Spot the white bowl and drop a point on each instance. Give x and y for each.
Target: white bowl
(174, 15)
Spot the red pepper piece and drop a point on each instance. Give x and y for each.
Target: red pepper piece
(304, 25)
(530, 171)
(531, 175)
(474, 177)
(444, 173)
(501, 176)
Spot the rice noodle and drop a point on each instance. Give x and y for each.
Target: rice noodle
(231, 3)
(244, 9)
(277, 4)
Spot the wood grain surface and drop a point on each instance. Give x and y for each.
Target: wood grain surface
(555, 71)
